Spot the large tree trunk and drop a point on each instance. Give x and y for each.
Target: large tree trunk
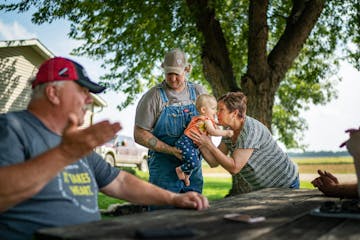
(257, 84)
(265, 71)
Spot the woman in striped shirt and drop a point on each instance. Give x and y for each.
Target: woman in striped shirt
(252, 154)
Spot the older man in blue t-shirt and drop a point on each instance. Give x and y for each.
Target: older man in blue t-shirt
(49, 175)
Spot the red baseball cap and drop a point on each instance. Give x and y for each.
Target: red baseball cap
(63, 69)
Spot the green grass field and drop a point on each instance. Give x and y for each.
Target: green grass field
(217, 187)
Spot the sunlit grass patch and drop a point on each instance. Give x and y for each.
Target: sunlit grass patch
(216, 188)
(306, 184)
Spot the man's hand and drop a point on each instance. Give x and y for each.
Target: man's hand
(176, 152)
(190, 200)
(77, 142)
(326, 183)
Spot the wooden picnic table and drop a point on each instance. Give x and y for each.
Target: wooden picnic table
(287, 214)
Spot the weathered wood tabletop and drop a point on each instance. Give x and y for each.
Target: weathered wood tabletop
(286, 212)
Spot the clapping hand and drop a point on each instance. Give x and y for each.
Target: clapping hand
(77, 142)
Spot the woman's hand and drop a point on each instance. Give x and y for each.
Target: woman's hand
(200, 139)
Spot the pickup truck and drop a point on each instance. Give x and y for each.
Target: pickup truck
(123, 151)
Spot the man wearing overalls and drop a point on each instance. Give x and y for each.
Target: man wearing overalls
(161, 117)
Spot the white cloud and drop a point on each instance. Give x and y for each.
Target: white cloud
(14, 31)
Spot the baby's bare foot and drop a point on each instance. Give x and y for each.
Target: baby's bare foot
(187, 180)
(180, 173)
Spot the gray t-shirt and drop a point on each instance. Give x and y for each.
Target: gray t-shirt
(150, 105)
(269, 165)
(70, 198)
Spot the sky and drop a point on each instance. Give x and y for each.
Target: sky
(326, 124)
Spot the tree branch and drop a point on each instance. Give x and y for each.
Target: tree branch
(257, 40)
(215, 56)
(301, 21)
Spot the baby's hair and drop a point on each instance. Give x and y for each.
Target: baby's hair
(203, 99)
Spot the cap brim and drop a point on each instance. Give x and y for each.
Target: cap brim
(83, 80)
(93, 87)
(177, 70)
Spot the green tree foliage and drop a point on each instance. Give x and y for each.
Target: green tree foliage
(282, 54)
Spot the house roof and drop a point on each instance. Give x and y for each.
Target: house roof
(44, 52)
(34, 43)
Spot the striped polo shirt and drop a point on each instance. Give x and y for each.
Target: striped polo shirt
(268, 166)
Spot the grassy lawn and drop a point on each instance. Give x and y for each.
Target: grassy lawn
(218, 186)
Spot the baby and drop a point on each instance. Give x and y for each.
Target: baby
(206, 105)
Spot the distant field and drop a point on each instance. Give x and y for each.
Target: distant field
(333, 168)
(331, 164)
(323, 160)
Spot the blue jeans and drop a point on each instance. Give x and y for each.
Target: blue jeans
(296, 183)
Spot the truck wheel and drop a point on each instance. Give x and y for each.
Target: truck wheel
(143, 166)
(110, 159)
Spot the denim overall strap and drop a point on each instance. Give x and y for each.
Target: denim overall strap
(169, 127)
(163, 95)
(192, 91)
